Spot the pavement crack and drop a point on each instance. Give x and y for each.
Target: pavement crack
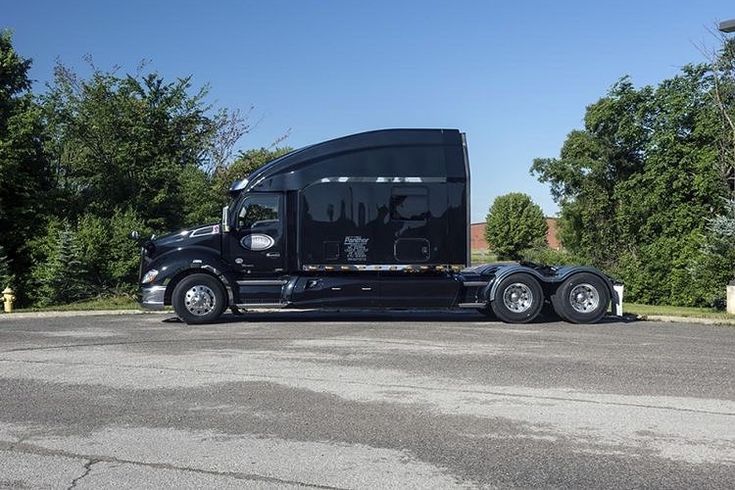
(87, 470)
(26, 448)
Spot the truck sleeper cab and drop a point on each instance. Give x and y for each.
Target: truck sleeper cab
(372, 220)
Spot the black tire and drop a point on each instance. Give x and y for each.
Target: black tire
(582, 298)
(199, 298)
(528, 288)
(557, 306)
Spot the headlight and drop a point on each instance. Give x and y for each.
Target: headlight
(149, 276)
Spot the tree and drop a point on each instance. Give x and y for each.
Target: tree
(6, 278)
(61, 276)
(244, 164)
(638, 185)
(110, 259)
(127, 142)
(514, 224)
(205, 193)
(722, 67)
(591, 163)
(25, 177)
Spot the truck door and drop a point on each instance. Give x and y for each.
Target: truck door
(256, 245)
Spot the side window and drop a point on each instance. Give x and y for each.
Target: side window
(409, 204)
(258, 212)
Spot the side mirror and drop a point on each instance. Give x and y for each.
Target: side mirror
(225, 220)
(134, 235)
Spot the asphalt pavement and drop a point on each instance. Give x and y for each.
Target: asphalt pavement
(364, 400)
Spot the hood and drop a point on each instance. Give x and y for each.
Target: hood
(201, 236)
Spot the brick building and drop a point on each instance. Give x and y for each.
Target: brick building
(478, 242)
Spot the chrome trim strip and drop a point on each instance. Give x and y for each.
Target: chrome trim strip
(382, 267)
(205, 230)
(261, 305)
(385, 180)
(475, 283)
(472, 305)
(262, 282)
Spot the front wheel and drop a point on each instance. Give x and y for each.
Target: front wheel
(582, 298)
(518, 299)
(199, 298)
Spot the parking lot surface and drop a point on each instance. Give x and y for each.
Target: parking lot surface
(364, 400)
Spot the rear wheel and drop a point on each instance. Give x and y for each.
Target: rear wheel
(199, 298)
(582, 298)
(518, 299)
(556, 303)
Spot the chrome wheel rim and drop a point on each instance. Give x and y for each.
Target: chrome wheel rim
(584, 298)
(518, 297)
(200, 300)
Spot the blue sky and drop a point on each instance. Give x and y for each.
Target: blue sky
(515, 76)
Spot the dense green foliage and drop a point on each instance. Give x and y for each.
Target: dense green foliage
(6, 278)
(546, 255)
(60, 277)
(638, 186)
(514, 224)
(124, 141)
(92, 158)
(25, 174)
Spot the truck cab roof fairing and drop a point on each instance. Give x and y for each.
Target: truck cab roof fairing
(264, 179)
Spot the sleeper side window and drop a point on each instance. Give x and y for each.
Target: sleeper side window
(258, 212)
(409, 204)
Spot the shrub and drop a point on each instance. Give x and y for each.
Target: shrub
(514, 224)
(109, 256)
(6, 278)
(94, 258)
(60, 277)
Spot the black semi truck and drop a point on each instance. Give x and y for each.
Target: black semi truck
(372, 220)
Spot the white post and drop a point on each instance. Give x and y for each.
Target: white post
(618, 301)
(731, 299)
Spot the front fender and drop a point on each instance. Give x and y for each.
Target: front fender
(172, 266)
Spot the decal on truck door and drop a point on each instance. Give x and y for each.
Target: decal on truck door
(356, 248)
(257, 242)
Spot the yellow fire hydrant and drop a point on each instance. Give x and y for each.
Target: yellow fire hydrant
(8, 300)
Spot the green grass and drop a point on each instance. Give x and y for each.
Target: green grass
(684, 311)
(102, 303)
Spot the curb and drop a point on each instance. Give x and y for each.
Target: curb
(73, 313)
(686, 319)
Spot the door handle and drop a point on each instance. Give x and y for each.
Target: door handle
(273, 254)
(367, 289)
(336, 289)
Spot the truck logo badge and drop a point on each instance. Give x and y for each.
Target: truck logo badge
(257, 242)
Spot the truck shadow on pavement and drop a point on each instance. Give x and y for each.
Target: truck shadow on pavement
(376, 315)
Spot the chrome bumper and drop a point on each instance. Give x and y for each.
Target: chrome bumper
(151, 298)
